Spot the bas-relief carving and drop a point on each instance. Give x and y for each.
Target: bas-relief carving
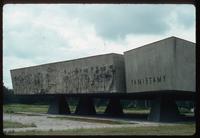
(79, 80)
(26, 82)
(89, 79)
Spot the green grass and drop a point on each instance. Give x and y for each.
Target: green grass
(185, 111)
(13, 108)
(136, 111)
(100, 109)
(181, 129)
(91, 120)
(10, 124)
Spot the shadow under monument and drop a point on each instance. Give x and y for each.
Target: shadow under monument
(163, 107)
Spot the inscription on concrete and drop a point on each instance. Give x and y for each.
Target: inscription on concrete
(167, 64)
(149, 80)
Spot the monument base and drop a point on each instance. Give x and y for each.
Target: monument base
(85, 106)
(164, 109)
(59, 105)
(114, 107)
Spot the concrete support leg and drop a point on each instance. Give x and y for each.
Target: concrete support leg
(59, 105)
(164, 109)
(114, 107)
(85, 106)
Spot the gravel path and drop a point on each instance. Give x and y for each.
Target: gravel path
(43, 123)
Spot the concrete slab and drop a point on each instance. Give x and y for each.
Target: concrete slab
(167, 64)
(96, 74)
(164, 109)
(59, 105)
(114, 108)
(85, 106)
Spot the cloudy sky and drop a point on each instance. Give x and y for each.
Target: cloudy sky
(38, 34)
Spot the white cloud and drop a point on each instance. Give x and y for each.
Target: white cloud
(38, 34)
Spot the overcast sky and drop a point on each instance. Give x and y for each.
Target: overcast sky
(38, 34)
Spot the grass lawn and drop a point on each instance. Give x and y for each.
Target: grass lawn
(136, 110)
(176, 129)
(13, 108)
(179, 129)
(9, 124)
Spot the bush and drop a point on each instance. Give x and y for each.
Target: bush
(184, 110)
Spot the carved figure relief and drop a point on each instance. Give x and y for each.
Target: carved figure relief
(77, 80)
(89, 79)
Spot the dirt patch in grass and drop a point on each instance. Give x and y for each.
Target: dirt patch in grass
(90, 120)
(28, 114)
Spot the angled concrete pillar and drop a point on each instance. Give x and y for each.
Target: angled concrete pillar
(59, 105)
(85, 106)
(114, 107)
(164, 109)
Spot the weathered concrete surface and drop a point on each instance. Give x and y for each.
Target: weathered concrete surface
(59, 105)
(85, 106)
(168, 64)
(114, 108)
(164, 109)
(96, 74)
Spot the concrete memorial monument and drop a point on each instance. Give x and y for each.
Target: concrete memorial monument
(90, 75)
(166, 65)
